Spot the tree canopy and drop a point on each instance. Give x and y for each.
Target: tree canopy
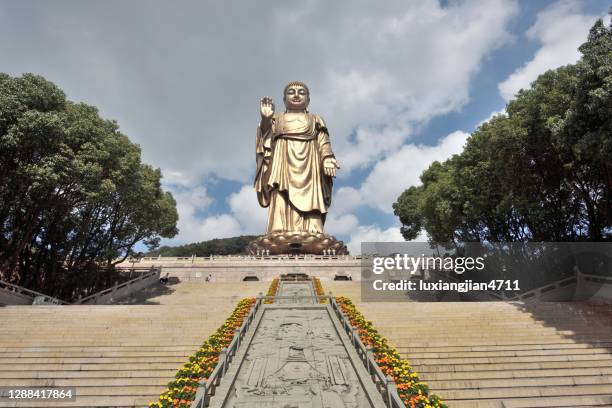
(540, 172)
(74, 194)
(218, 246)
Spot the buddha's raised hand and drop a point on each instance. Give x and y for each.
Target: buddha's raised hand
(266, 108)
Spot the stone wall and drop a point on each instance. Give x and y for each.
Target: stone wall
(236, 269)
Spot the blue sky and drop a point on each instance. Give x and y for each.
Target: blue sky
(399, 84)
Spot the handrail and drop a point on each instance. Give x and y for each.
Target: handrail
(246, 257)
(542, 289)
(562, 283)
(206, 388)
(598, 278)
(153, 270)
(28, 292)
(384, 383)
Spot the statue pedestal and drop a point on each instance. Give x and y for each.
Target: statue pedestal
(297, 242)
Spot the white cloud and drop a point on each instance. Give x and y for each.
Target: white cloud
(191, 200)
(502, 112)
(422, 237)
(561, 29)
(176, 178)
(345, 199)
(218, 226)
(395, 173)
(372, 233)
(341, 225)
(246, 210)
(245, 217)
(184, 79)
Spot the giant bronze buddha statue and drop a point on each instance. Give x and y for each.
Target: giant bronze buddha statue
(294, 176)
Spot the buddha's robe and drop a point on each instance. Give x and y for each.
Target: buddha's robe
(290, 179)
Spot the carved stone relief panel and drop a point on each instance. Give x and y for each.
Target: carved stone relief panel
(296, 289)
(296, 360)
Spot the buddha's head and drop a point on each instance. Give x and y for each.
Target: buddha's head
(296, 96)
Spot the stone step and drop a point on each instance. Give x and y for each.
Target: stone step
(484, 342)
(514, 374)
(126, 373)
(472, 320)
(89, 401)
(584, 336)
(135, 390)
(521, 382)
(109, 343)
(511, 359)
(84, 382)
(94, 367)
(507, 347)
(79, 348)
(512, 366)
(116, 355)
(534, 392)
(503, 353)
(28, 361)
(584, 401)
(96, 354)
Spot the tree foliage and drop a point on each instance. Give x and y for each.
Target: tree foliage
(218, 246)
(74, 193)
(541, 172)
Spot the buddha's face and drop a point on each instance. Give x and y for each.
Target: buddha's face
(296, 98)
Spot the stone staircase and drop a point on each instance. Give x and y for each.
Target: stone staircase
(471, 354)
(501, 355)
(116, 355)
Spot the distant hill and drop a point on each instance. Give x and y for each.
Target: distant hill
(223, 246)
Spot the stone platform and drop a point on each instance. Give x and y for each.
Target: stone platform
(244, 268)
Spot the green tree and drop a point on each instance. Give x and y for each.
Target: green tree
(540, 173)
(217, 246)
(74, 194)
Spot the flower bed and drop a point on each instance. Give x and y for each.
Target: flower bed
(319, 289)
(181, 391)
(272, 290)
(414, 394)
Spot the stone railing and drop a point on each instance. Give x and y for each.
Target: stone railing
(582, 287)
(16, 294)
(384, 383)
(242, 258)
(207, 388)
(145, 278)
(538, 293)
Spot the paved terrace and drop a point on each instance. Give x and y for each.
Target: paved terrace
(237, 268)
